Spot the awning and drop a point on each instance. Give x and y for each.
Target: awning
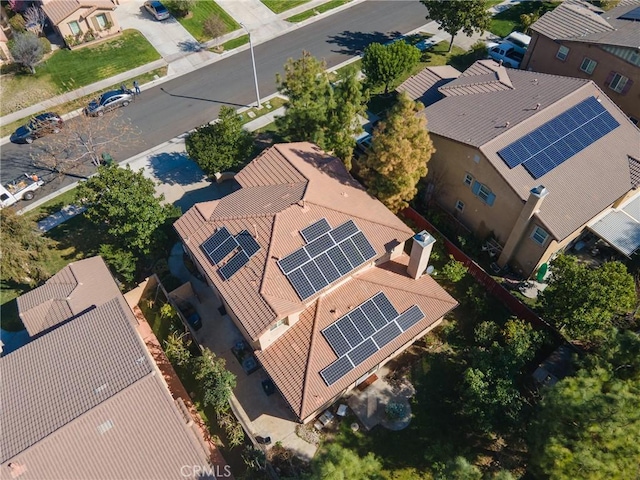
(620, 228)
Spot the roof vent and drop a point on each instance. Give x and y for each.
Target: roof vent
(537, 106)
(17, 469)
(506, 124)
(105, 427)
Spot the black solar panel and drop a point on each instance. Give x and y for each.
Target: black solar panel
(314, 275)
(293, 261)
(327, 268)
(336, 370)
(410, 317)
(344, 231)
(560, 138)
(362, 352)
(336, 340)
(339, 260)
(352, 253)
(385, 306)
(319, 245)
(349, 331)
(361, 322)
(631, 15)
(314, 230)
(225, 248)
(363, 246)
(248, 243)
(373, 314)
(215, 240)
(387, 334)
(236, 262)
(303, 288)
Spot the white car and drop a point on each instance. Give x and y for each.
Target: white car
(157, 9)
(506, 53)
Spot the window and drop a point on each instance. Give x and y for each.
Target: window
(618, 82)
(539, 235)
(468, 179)
(562, 53)
(588, 65)
(634, 120)
(75, 28)
(277, 324)
(102, 21)
(459, 206)
(476, 158)
(483, 192)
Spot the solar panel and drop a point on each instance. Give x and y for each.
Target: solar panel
(352, 253)
(560, 138)
(327, 268)
(387, 334)
(631, 14)
(293, 261)
(363, 246)
(319, 245)
(385, 306)
(224, 249)
(314, 275)
(248, 243)
(301, 285)
(336, 339)
(362, 352)
(361, 322)
(339, 260)
(373, 314)
(314, 230)
(349, 331)
(344, 231)
(410, 317)
(336, 370)
(236, 262)
(215, 240)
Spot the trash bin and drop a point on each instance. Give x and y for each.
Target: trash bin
(107, 159)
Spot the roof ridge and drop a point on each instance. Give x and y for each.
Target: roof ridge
(312, 343)
(384, 285)
(277, 148)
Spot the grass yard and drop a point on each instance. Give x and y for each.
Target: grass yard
(267, 107)
(203, 9)
(279, 6)
(505, 22)
(319, 9)
(235, 42)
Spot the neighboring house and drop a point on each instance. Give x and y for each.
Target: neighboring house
(84, 398)
(293, 252)
(424, 86)
(78, 21)
(575, 41)
(5, 36)
(528, 158)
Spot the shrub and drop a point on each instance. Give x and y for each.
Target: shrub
(214, 27)
(17, 23)
(454, 271)
(46, 45)
(180, 8)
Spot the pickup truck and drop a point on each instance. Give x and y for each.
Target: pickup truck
(22, 188)
(507, 53)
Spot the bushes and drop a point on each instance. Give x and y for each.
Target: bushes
(454, 271)
(18, 23)
(46, 45)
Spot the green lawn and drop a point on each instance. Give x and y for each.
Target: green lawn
(235, 42)
(319, 9)
(279, 6)
(508, 20)
(203, 9)
(274, 103)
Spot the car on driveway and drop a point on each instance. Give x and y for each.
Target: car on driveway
(157, 10)
(108, 101)
(38, 126)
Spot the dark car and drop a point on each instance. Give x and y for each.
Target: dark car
(108, 101)
(193, 318)
(157, 9)
(40, 125)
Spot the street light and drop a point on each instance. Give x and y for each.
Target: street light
(253, 61)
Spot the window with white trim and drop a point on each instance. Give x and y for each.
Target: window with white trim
(102, 21)
(483, 192)
(459, 205)
(75, 28)
(468, 179)
(588, 65)
(618, 82)
(539, 235)
(563, 52)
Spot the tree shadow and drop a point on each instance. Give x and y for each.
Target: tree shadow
(214, 191)
(354, 43)
(190, 46)
(175, 168)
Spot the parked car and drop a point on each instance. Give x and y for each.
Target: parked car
(520, 41)
(506, 53)
(40, 125)
(108, 101)
(193, 318)
(157, 9)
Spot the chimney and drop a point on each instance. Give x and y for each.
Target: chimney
(420, 253)
(530, 208)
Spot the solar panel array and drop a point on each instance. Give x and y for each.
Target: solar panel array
(366, 329)
(219, 245)
(631, 15)
(328, 255)
(560, 138)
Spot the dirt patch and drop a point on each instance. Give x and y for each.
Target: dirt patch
(18, 91)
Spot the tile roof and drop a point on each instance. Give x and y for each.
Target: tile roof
(58, 10)
(72, 290)
(295, 360)
(423, 86)
(579, 188)
(285, 189)
(576, 21)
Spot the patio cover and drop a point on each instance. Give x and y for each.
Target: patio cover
(620, 228)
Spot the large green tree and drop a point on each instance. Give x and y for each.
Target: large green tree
(582, 301)
(338, 463)
(400, 150)
(470, 16)
(221, 146)
(123, 204)
(384, 64)
(215, 381)
(23, 249)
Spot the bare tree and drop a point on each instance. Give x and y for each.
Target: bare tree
(35, 19)
(27, 50)
(81, 143)
(214, 26)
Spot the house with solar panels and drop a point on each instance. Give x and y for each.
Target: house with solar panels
(531, 160)
(577, 39)
(313, 272)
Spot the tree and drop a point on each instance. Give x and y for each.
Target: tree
(221, 146)
(588, 426)
(216, 382)
(460, 469)
(398, 157)
(338, 463)
(384, 64)
(176, 349)
(122, 261)
(470, 16)
(214, 26)
(180, 8)
(26, 50)
(123, 204)
(453, 270)
(582, 300)
(24, 252)
(35, 19)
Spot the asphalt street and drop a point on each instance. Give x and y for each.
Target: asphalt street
(177, 106)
